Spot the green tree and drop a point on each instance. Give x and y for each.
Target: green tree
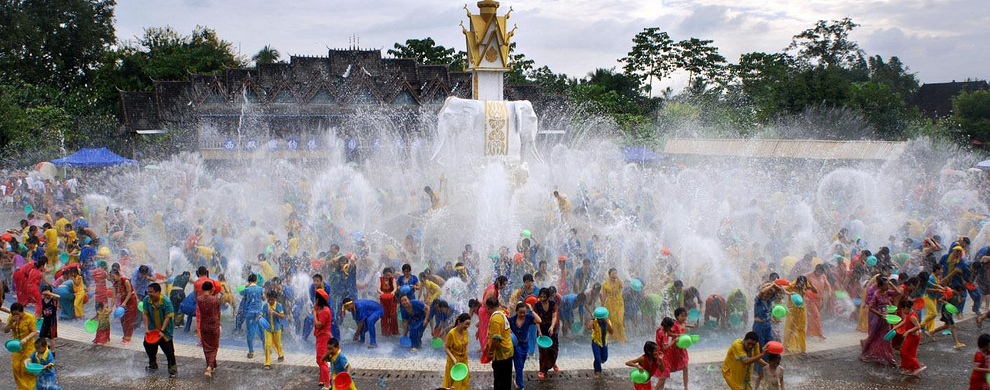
(520, 67)
(971, 113)
(653, 55)
(881, 106)
(56, 43)
(267, 55)
(164, 54)
(759, 77)
(550, 82)
(624, 85)
(427, 52)
(827, 44)
(894, 74)
(702, 62)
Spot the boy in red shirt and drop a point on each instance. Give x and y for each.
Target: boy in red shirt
(978, 380)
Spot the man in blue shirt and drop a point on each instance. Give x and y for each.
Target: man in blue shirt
(252, 302)
(415, 315)
(366, 313)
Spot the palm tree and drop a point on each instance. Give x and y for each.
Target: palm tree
(267, 55)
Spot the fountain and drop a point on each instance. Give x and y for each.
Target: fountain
(716, 224)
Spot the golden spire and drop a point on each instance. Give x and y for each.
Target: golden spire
(488, 38)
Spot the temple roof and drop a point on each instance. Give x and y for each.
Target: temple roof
(935, 99)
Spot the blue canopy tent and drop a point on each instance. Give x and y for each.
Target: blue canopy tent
(639, 154)
(92, 158)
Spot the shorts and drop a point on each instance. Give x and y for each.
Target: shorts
(946, 316)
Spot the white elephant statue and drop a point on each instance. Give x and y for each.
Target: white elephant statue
(468, 129)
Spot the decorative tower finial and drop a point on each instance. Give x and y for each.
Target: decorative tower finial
(488, 50)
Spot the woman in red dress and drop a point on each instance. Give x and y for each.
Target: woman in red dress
(386, 292)
(126, 298)
(675, 358)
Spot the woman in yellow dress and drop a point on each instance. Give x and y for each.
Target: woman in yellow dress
(612, 300)
(79, 289)
(22, 327)
(796, 324)
(456, 347)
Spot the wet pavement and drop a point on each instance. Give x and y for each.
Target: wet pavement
(84, 366)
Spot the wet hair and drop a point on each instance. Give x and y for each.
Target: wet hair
(667, 323)
(905, 304)
(387, 270)
(773, 276)
(527, 278)
(318, 276)
(321, 301)
(650, 351)
(333, 343)
(47, 288)
(99, 306)
(346, 301)
(678, 283)
(202, 271)
(40, 341)
(544, 292)
(406, 267)
(490, 303)
(253, 278)
(207, 286)
(271, 294)
(983, 341)
(552, 290)
(501, 279)
(463, 317)
(752, 336)
(679, 311)
(473, 303)
(155, 287)
(520, 305)
(580, 299)
(820, 268)
(143, 269)
(775, 357)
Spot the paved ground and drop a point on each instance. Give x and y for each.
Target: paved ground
(84, 366)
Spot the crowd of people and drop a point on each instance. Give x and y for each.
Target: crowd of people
(513, 303)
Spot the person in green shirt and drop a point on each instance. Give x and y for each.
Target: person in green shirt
(158, 316)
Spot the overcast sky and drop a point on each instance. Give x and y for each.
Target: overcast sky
(940, 40)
